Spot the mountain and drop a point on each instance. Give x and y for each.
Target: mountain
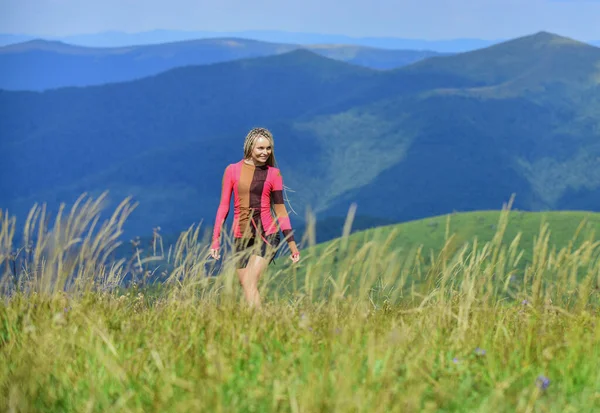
(543, 57)
(459, 132)
(528, 124)
(41, 64)
(441, 46)
(165, 138)
(6, 39)
(121, 39)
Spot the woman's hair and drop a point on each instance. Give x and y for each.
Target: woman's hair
(251, 138)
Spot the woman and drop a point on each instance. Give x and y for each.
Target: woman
(257, 186)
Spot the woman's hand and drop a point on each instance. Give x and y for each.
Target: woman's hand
(214, 252)
(295, 257)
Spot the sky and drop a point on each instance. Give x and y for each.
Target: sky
(417, 19)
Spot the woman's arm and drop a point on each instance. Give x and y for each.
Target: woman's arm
(223, 210)
(282, 214)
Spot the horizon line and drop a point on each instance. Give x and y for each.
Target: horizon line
(225, 32)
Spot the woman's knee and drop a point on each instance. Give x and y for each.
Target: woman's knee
(257, 265)
(254, 269)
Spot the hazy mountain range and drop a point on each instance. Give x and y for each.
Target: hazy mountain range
(460, 132)
(120, 39)
(42, 64)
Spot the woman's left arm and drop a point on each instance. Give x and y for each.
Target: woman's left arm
(282, 214)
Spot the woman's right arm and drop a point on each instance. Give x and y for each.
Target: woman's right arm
(223, 210)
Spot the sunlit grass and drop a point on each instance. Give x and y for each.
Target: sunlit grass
(375, 329)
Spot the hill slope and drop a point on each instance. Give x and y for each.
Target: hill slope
(404, 144)
(40, 64)
(430, 233)
(397, 245)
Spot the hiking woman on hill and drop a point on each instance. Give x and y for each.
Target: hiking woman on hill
(257, 186)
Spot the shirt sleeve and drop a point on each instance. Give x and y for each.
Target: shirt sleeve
(281, 212)
(223, 210)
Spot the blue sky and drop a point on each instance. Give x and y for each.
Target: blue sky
(424, 19)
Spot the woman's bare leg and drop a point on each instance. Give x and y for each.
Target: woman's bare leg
(249, 278)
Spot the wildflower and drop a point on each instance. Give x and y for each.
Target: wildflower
(480, 351)
(542, 382)
(455, 360)
(525, 302)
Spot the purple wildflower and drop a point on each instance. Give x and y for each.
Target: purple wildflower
(455, 360)
(480, 351)
(542, 382)
(525, 302)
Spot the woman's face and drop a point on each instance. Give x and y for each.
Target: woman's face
(261, 151)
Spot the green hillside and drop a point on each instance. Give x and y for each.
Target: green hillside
(460, 228)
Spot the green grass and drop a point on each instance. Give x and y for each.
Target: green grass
(377, 330)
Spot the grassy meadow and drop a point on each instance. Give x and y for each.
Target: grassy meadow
(498, 315)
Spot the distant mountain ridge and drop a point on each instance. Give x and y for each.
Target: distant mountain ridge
(120, 39)
(537, 57)
(460, 132)
(42, 64)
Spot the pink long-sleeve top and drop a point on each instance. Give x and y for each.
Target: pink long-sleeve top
(253, 187)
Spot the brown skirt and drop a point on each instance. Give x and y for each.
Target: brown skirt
(244, 248)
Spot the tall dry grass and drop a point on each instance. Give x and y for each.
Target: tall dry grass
(354, 327)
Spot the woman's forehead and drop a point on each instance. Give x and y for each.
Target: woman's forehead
(262, 141)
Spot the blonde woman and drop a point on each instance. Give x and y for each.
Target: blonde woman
(257, 186)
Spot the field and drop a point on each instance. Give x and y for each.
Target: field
(466, 315)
